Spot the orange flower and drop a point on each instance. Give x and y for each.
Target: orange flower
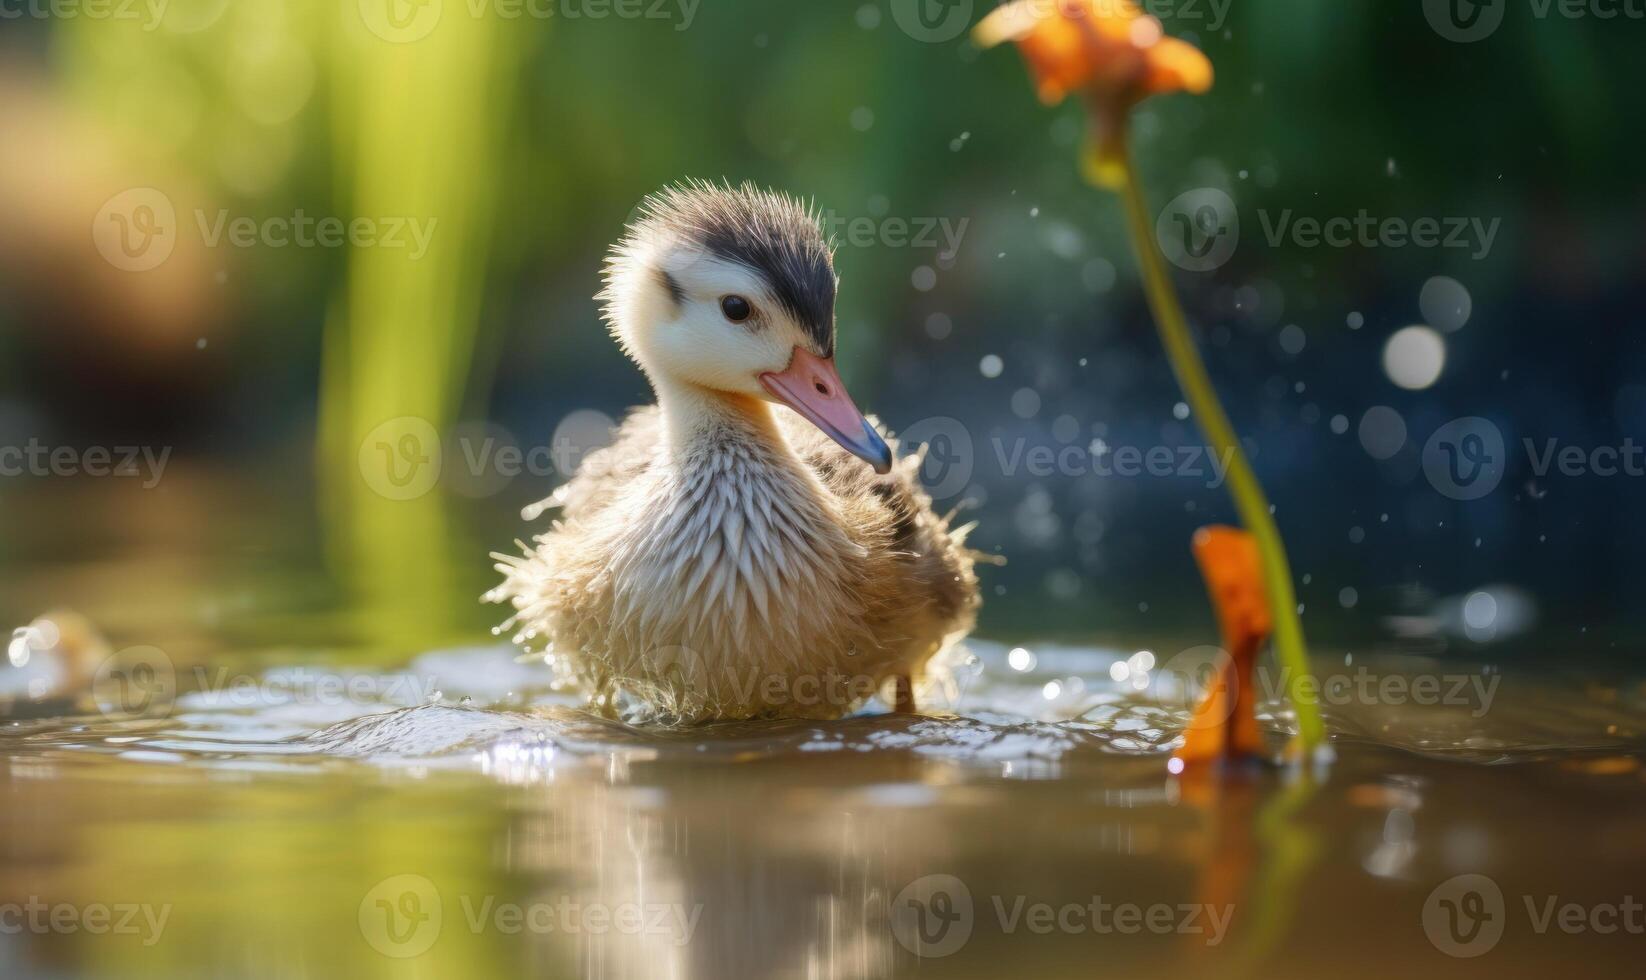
(1108, 49)
(1224, 725)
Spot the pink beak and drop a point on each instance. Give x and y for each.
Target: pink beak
(811, 386)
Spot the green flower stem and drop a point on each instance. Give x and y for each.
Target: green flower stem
(1250, 503)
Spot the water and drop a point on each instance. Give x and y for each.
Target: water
(295, 808)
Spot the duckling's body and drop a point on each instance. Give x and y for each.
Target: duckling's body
(725, 558)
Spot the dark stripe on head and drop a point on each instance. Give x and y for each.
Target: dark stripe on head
(769, 233)
(672, 285)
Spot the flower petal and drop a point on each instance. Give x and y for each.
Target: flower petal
(1008, 22)
(1177, 66)
(1108, 49)
(1224, 724)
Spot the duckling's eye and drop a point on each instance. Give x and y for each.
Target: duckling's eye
(736, 308)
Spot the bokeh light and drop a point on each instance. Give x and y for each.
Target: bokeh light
(1414, 357)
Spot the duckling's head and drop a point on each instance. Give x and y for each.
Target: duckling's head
(732, 290)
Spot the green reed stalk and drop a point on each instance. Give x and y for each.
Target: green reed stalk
(420, 129)
(1250, 502)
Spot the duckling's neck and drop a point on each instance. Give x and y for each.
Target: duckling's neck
(697, 420)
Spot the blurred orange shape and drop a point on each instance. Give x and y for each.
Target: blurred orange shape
(1224, 724)
(1108, 49)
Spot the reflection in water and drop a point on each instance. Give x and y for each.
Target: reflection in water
(499, 828)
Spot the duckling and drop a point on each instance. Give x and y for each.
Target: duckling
(747, 547)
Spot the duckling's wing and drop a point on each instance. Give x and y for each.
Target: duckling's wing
(597, 479)
(936, 583)
(898, 493)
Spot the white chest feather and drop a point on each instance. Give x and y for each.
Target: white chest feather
(714, 576)
(735, 552)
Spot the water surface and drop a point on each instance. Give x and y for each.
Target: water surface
(311, 801)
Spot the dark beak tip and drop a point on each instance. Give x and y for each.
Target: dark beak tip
(882, 460)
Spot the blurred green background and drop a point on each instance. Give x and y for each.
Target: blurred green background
(982, 283)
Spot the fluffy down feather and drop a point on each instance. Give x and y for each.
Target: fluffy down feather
(757, 574)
